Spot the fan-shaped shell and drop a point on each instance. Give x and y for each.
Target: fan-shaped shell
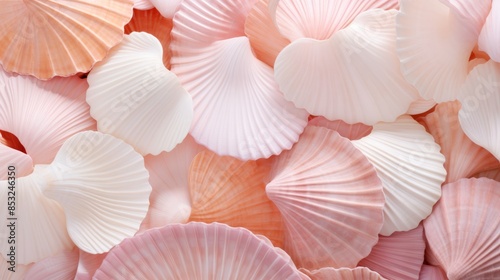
(61, 266)
(196, 251)
(351, 131)
(430, 272)
(88, 264)
(330, 198)
(16, 273)
(344, 273)
(20, 161)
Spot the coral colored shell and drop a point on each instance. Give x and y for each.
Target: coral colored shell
(102, 184)
(60, 103)
(170, 201)
(430, 272)
(40, 230)
(265, 39)
(399, 256)
(135, 98)
(59, 38)
(463, 157)
(344, 273)
(331, 200)
(61, 266)
(196, 251)
(462, 231)
(492, 174)
(230, 191)
(317, 75)
(152, 22)
(479, 116)
(351, 131)
(410, 166)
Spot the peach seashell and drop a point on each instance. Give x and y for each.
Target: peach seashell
(493, 174)
(195, 251)
(462, 231)
(59, 38)
(463, 157)
(351, 131)
(430, 272)
(488, 38)
(420, 41)
(410, 166)
(61, 104)
(167, 8)
(331, 200)
(102, 184)
(265, 38)
(399, 256)
(230, 191)
(479, 115)
(61, 266)
(142, 5)
(343, 273)
(135, 98)
(152, 22)
(40, 226)
(88, 264)
(420, 106)
(170, 200)
(18, 274)
(334, 63)
(10, 157)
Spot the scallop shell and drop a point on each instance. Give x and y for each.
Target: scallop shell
(102, 184)
(167, 8)
(59, 38)
(344, 273)
(331, 200)
(420, 106)
(230, 191)
(488, 38)
(196, 251)
(351, 131)
(88, 264)
(60, 102)
(410, 166)
(135, 98)
(17, 274)
(463, 157)
(462, 231)
(142, 5)
(10, 157)
(61, 266)
(317, 75)
(429, 272)
(399, 256)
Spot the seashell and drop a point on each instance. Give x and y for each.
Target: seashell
(493, 174)
(18, 273)
(40, 227)
(330, 68)
(152, 22)
(479, 115)
(61, 103)
(195, 251)
(410, 166)
(463, 157)
(102, 184)
(170, 200)
(140, 5)
(61, 266)
(420, 106)
(462, 231)
(430, 272)
(135, 98)
(230, 191)
(351, 131)
(265, 38)
(437, 65)
(55, 38)
(343, 273)
(331, 200)
(22, 163)
(88, 264)
(167, 8)
(399, 256)
(10, 140)
(488, 38)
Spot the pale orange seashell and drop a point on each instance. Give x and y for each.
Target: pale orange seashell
(265, 38)
(344, 273)
(152, 22)
(196, 251)
(462, 231)
(493, 174)
(88, 264)
(430, 272)
(398, 256)
(420, 106)
(463, 157)
(230, 191)
(59, 38)
(331, 200)
(351, 131)
(61, 266)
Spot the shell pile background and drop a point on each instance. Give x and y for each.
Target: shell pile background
(250, 139)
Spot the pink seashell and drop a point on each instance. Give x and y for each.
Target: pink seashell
(410, 166)
(59, 38)
(61, 103)
(488, 38)
(195, 251)
(167, 8)
(18, 273)
(493, 174)
(463, 157)
(344, 273)
(398, 256)
(420, 106)
(430, 272)
(10, 157)
(462, 231)
(331, 200)
(351, 131)
(58, 267)
(332, 64)
(88, 264)
(230, 191)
